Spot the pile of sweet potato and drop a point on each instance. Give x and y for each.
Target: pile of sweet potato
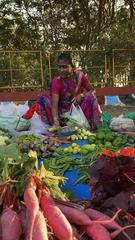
(39, 217)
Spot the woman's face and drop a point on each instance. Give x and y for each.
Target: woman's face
(64, 69)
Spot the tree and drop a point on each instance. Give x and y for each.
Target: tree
(68, 24)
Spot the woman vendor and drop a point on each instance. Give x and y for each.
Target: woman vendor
(70, 86)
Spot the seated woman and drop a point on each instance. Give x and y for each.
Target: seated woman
(70, 86)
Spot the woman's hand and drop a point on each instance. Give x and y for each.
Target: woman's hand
(56, 123)
(78, 98)
(55, 101)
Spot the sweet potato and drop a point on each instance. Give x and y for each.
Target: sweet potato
(32, 204)
(75, 216)
(105, 220)
(11, 225)
(56, 219)
(96, 232)
(75, 232)
(40, 228)
(24, 221)
(117, 232)
(101, 218)
(0, 230)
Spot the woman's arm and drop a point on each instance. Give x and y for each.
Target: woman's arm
(88, 88)
(55, 101)
(85, 83)
(55, 94)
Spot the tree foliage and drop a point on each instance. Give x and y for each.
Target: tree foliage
(69, 24)
(53, 24)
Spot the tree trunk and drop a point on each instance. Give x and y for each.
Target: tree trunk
(100, 13)
(113, 9)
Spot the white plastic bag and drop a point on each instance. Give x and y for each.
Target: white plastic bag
(77, 115)
(37, 126)
(8, 110)
(122, 124)
(14, 123)
(22, 108)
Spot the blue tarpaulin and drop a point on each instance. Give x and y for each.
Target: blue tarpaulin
(80, 191)
(113, 100)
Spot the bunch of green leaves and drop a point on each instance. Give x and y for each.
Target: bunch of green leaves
(28, 138)
(15, 167)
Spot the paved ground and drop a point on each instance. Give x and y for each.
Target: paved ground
(116, 111)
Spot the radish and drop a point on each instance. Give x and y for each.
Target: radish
(105, 220)
(11, 225)
(32, 204)
(75, 216)
(40, 228)
(56, 219)
(96, 232)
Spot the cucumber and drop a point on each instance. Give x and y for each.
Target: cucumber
(130, 140)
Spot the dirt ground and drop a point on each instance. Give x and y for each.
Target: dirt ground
(116, 111)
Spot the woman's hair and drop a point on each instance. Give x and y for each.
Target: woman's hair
(66, 57)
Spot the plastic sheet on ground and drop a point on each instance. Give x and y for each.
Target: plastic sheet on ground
(113, 100)
(80, 191)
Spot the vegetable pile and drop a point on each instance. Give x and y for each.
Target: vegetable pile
(39, 216)
(32, 205)
(111, 140)
(30, 208)
(80, 134)
(5, 137)
(112, 179)
(44, 147)
(62, 162)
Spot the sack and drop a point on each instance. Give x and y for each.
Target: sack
(122, 124)
(78, 117)
(14, 123)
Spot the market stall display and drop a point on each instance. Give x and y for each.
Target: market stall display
(62, 169)
(26, 190)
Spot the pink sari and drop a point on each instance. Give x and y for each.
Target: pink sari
(66, 92)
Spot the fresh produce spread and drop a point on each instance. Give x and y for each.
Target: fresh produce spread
(33, 205)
